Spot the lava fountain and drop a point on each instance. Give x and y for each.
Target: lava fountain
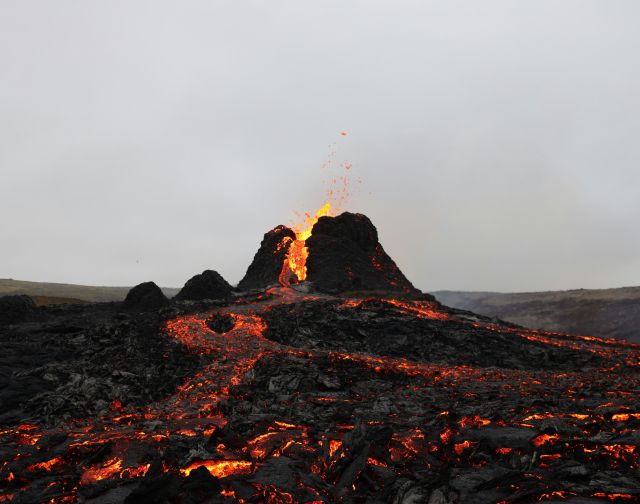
(294, 267)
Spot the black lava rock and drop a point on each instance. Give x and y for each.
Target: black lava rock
(201, 482)
(345, 255)
(16, 309)
(145, 296)
(75, 360)
(159, 489)
(221, 323)
(208, 285)
(267, 263)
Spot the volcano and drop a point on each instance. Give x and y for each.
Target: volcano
(338, 254)
(356, 388)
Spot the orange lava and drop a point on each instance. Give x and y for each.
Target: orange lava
(220, 468)
(544, 439)
(296, 262)
(47, 466)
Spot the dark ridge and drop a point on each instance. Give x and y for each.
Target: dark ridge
(267, 263)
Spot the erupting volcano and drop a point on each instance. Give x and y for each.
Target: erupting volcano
(335, 254)
(357, 388)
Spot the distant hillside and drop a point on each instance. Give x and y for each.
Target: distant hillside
(77, 292)
(611, 313)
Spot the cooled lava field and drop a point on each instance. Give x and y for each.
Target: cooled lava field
(351, 386)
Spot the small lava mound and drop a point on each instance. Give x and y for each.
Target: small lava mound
(16, 309)
(207, 285)
(145, 296)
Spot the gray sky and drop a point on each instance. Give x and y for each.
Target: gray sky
(497, 141)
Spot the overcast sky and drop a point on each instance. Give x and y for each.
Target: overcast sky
(498, 142)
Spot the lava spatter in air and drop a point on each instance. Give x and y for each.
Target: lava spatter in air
(294, 267)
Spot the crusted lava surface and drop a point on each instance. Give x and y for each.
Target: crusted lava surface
(74, 361)
(285, 397)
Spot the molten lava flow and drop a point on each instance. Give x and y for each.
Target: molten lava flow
(220, 468)
(329, 451)
(295, 264)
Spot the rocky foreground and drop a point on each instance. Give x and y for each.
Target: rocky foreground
(281, 396)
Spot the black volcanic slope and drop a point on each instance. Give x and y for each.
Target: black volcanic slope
(377, 327)
(267, 263)
(77, 360)
(345, 255)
